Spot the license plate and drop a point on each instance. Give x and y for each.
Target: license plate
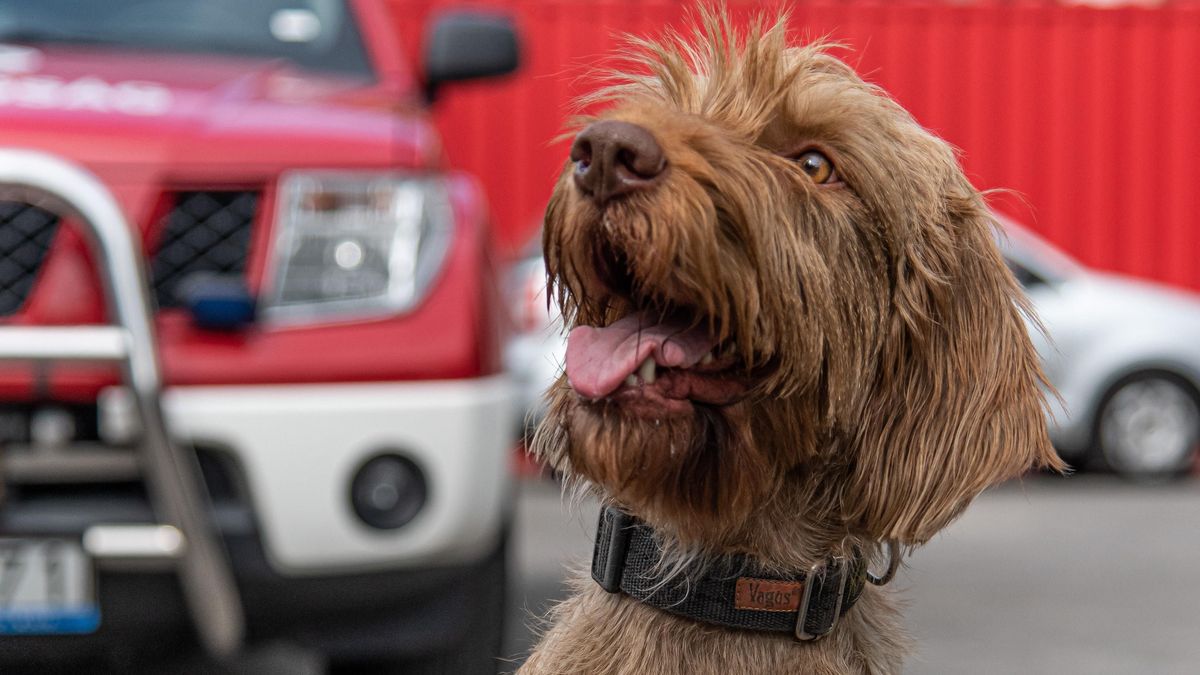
(47, 587)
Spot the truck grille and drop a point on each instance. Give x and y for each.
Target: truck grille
(204, 232)
(25, 235)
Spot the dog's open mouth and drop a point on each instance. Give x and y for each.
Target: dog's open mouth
(655, 365)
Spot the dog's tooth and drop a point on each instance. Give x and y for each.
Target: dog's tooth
(631, 380)
(647, 370)
(706, 359)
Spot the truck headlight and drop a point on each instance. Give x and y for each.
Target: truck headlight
(356, 245)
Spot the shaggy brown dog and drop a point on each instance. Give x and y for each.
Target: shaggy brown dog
(793, 340)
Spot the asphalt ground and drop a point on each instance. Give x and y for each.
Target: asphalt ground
(1085, 574)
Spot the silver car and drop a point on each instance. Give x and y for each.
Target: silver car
(1123, 355)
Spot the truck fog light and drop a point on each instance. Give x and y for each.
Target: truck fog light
(388, 491)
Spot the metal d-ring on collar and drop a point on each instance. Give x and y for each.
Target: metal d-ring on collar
(893, 565)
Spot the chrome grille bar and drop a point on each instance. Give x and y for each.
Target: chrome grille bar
(172, 477)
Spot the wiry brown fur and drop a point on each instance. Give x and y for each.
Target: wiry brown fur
(893, 376)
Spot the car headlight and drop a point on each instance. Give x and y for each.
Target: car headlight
(356, 245)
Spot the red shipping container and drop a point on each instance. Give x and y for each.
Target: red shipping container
(1089, 117)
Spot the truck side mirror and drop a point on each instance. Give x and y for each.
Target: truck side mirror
(467, 46)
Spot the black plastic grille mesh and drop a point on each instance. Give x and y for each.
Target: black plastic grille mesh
(25, 235)
(204, 232)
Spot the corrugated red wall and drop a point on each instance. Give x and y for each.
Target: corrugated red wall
(1091, 116)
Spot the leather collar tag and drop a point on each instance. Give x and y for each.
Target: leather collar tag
(768, 595)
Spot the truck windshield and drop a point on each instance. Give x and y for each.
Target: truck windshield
(312, 34)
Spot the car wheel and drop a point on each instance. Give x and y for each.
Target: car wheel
(1149, 427)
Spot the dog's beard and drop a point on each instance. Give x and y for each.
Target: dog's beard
(699, 469)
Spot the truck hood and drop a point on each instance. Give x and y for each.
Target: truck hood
(134, 111)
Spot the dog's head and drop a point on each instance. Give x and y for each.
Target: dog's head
(781, 289)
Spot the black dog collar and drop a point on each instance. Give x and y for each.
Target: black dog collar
(734, 593)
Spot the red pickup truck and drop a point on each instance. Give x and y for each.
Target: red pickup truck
(285, 419)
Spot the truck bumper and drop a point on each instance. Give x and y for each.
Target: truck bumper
(380, 615)
(298, 448)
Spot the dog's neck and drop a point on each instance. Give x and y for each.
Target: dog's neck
(603, 633)
(795, 529)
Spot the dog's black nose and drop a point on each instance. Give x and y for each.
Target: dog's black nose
(614, 158)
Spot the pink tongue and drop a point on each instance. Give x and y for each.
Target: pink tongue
(599, 359)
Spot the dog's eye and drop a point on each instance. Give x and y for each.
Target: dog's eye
(817, 166)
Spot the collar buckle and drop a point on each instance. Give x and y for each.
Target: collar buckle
(821, 605)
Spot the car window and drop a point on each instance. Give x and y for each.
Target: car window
(1024, 275)
(1045, 262)
(312, 34)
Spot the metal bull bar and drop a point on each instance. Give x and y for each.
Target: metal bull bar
(184, 537)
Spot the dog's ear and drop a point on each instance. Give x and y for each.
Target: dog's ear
(956, 404)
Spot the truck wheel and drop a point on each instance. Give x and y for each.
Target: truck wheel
(1148, 427)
